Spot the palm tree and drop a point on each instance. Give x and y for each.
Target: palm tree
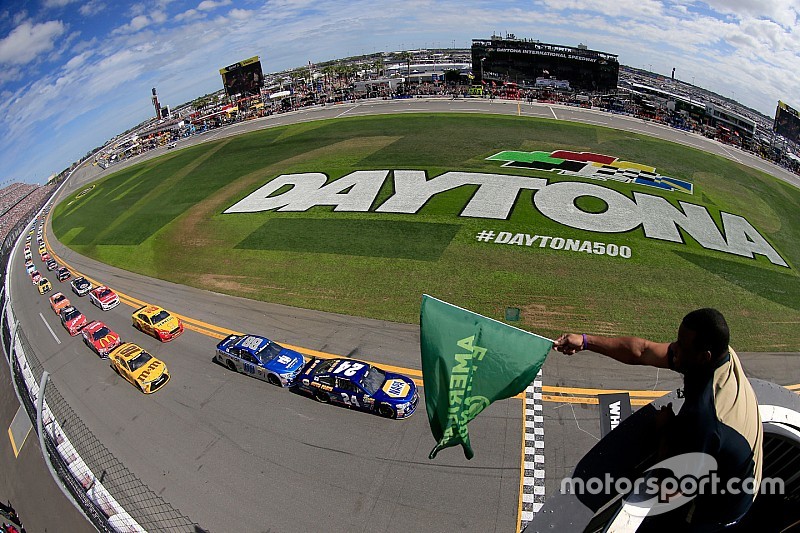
(378, 65)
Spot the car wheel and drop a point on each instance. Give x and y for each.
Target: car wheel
(322, 397)
(386, 411)
(274, 380)
(231, 366)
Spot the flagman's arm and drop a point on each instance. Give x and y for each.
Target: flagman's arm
(628, 350)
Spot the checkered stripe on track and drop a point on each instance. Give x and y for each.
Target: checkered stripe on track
(533, 479)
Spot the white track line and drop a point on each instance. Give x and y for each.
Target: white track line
(51, 329)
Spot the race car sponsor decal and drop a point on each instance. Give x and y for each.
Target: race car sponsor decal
(497, 195)
(396, 388)
(594, 166)
(149, 370)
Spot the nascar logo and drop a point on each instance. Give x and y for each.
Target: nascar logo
(593, 166)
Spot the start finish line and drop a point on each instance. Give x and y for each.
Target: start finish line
(496, 196)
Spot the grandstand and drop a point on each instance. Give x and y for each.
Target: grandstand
(17, 200)
(530, 63)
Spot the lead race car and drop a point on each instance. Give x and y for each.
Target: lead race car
(361, 386)
(261, 358)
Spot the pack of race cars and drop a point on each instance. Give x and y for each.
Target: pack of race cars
(346, 382)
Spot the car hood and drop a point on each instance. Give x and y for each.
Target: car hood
(168, 324)
(281, 365)
(396, 389)
(150, 371)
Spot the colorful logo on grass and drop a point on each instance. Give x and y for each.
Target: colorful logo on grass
(593, 166)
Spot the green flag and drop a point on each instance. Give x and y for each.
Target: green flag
(468, 362)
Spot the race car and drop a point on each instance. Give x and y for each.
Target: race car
(35, 277)
(157, 322)
(58, 302)
(72, 320)
(27, 247)
(28, 256)
(42, 249)
(359, 385)
(51, 264)
(104, 298)
(46, 257)
(30, 268)
(99, 338)
(139, 368)
(81, 286)
(44, 286)
(260, 358)
(63, 274)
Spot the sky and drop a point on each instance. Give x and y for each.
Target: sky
(76, 73)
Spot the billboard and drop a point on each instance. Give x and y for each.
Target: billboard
(244, 78)
(787, 122)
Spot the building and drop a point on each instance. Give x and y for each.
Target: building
(529, 63)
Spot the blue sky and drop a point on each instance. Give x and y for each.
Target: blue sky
(77, 72)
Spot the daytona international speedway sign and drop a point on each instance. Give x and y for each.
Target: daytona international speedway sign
(496, 196)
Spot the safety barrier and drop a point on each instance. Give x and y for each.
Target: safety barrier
(108, 494)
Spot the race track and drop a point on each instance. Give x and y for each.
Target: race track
(234, 453)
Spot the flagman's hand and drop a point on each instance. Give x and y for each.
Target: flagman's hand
(569, 343)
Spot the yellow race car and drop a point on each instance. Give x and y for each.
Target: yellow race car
(157, 322)
(139, 368)
(44, 285)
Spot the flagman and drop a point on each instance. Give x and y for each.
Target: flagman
(719, 415)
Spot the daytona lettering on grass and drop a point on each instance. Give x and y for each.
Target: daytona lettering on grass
(555, 243)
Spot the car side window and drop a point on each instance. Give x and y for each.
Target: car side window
(345, 384)
(247, 357)
(123, 364)
(143, 318)
(326, 380)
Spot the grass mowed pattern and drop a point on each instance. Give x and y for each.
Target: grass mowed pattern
(164, 218)
(369, 238)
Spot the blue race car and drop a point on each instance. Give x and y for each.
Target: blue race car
(261, 358)
(361, 386)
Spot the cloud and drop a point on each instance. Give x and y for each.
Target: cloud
(91, 8)
(137, 23)
(208, 5)
(27, 41)
(189, 14)
(240, 14)
(58, 3)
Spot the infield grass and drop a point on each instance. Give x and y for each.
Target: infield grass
(164, 218)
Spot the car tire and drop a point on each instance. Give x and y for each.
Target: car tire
(322, 397)
(231, 366)
(274, 380)
(385, 411)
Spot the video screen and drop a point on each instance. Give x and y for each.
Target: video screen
(244, 78)
(787, 122)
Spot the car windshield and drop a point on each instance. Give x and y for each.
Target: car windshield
(42, 281)
(139, 360)
(69, 315)
(58, 299)
(103, 293)
(80, 282)
(100, 333)
(373, 379)
(269, 352)
(162, 315)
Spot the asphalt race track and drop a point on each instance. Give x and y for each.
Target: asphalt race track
(234, 453)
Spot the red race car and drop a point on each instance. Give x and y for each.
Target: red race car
(99, 338)
(72, 320)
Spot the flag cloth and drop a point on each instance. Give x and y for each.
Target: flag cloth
(468, 362)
